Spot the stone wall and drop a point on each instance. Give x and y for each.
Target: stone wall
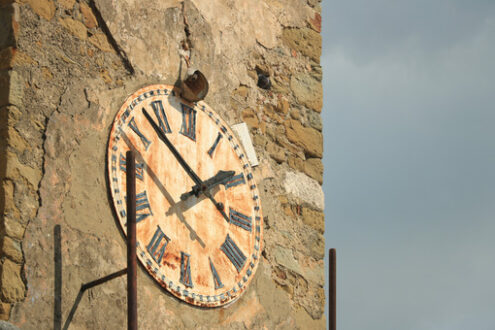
(66, 67)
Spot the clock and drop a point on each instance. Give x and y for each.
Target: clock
(199, 222)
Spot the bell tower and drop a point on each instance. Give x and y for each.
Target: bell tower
(67, 67)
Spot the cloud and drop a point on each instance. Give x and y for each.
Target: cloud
(370, 29)
(409, 158)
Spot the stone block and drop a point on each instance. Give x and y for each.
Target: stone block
(12, 287)
(314, 219)
(89, 18)
(11, 88)
(304, 40)
(66, 4)
(12, 227)
(315, 22)
(74, 27)
(4, 314)
(44, 8)
(305, 189)
(8, 199)
(282, 106)
(295, 114)
(308, 138)
(16, 141)
(100, 40)
(296, 163)
(250, 117)
(12, 249)
(307, 90)
(269, 111)
(316, 245)
(283, 256)
(313, 167)
(15, 169)
(277, 153)
(241, 91)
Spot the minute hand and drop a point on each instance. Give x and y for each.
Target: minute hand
(174, 151)
(183, 163)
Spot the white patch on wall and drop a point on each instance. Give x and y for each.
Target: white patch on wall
(242, 132)
(302, 186)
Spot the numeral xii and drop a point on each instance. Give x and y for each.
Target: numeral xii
(188, 127)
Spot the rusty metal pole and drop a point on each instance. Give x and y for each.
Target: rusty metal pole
(332, 290)
(131, 241)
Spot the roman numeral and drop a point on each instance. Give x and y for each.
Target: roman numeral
(216, 279)
(215, 144)
(188, 127)
(236, 180)
(139, 167)
(160, 115)
(157, 245)
(185, 269)
(233, 252)
(143, 209)
(133, 126)
(240, 220)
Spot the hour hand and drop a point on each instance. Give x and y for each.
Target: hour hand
(222, 177)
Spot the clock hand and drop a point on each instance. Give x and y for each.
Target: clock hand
(222, 177)
(174, 151)
(184, 165)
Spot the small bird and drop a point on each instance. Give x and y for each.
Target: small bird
(264, 81)
(195, 87)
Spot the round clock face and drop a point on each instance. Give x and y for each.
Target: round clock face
(202, 246)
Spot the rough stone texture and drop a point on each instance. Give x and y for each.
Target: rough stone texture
(67, 66)
(44, 8)
(12, 249)
(12, 286)
(75, 27)
(304, 188)
(313, 167)
(304, 40)
(307, 90)
(88, 17)
(7, 326)
(308, 138)
(314, 219)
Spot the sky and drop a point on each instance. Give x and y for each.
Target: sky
(409, 181)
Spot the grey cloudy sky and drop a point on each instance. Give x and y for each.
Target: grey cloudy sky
(409, 126)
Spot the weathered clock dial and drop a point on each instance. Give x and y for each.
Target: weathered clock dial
(199, 221)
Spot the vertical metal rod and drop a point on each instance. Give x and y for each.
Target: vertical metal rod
(131, 241)
(57, 260)
(332, 290)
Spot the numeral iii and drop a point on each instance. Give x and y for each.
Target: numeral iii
(240, 220)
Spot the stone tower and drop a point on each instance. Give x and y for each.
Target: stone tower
(66, 67)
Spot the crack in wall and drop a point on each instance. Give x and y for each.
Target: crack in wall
(120, 52)
(186, 44)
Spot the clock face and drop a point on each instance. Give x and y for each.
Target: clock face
(200, 254)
